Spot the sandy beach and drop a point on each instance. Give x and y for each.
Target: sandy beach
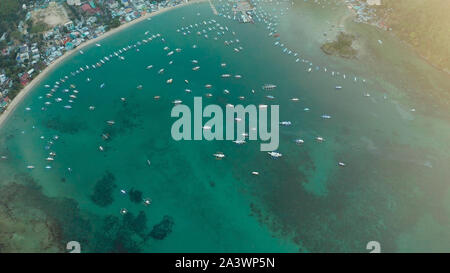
(24, 92)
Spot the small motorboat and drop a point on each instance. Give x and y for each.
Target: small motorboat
(275, 154)
(286, 123)
(219, 155)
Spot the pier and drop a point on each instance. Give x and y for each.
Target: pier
(213, 8)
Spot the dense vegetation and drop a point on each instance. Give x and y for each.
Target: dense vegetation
(423, 24)
(341, 47)
(9, 13)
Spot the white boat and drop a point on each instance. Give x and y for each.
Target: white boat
(295, 99)
(299, 141)
(320, 139)
(169, 81)
(177, 101)
(255, 173)
(341, 164)
(285, 123)
(239, 142)
(325, 116)
(269, 86)
(275, 154)
(219, 155)
(30, 167)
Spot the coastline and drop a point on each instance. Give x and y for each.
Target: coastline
(26, 90)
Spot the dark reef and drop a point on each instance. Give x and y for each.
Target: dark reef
(164, 228)
(103, 190)
(135, 196)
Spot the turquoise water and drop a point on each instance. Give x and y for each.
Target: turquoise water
(393, 190)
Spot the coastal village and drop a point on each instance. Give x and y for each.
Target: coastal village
(366, 12)
(51, 28)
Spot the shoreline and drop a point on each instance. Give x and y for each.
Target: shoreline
(26, 90)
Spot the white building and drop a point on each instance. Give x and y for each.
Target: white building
(374, 2)
(2, 78)
(74, 2)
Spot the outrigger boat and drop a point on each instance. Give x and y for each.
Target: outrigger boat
(269, 86)
(275, 154)
(219, 155)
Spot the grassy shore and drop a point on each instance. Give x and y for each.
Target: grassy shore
(423, 24)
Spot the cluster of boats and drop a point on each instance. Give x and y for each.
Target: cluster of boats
(57, 94)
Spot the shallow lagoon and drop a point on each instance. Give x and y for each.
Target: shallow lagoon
(392, 190)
